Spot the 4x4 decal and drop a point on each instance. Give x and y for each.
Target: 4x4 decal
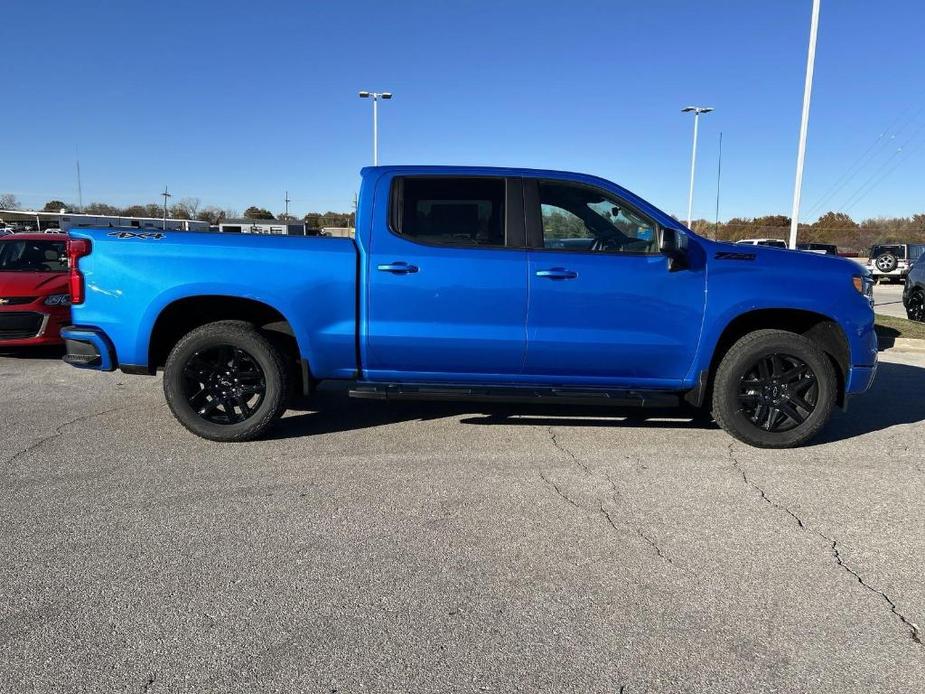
(731, 255)
(156, 235)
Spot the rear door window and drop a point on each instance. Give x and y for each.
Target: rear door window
(450, 211)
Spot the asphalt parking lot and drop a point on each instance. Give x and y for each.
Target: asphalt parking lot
(422, 548)
(888, 300)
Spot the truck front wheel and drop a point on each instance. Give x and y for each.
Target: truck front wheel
(225, 381)
(774, 389)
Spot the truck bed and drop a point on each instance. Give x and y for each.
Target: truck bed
(133, 275)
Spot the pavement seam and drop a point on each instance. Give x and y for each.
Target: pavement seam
(915, 633)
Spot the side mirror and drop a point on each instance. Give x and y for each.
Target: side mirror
(674, 247)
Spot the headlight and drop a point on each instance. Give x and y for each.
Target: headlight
(58, 300)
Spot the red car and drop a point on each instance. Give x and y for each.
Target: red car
(34, 297)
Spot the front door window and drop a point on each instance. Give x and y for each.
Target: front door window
(582, 218)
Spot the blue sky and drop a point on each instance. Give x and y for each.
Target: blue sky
(237, 102)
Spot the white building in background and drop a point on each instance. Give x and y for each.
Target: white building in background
(262, 226)
(347, 232)
(43, 221)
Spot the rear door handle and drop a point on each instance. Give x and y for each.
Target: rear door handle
(557, 273)
(399, 267)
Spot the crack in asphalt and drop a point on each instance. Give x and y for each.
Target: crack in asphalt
(648, 540)
(564, 449)
(57, 432)
(915, 633)
(603, 511)
(558, 491)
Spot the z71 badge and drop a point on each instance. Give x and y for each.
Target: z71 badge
(156, 235)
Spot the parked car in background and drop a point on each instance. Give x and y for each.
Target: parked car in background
(773, 243)
(825, 248)
(892, 261)
(914, 293)
(34, 295)
(6, 231)
(481, 284)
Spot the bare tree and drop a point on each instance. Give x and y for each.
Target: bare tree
(8, 201)
(190, 206)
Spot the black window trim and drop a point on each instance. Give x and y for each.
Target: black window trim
(514, 224)
(534, 219)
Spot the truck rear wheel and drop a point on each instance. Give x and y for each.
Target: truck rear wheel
(225, 381)
(774, 389)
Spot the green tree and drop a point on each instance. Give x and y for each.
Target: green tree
(54, 206)
(258, 213)
(101, 208)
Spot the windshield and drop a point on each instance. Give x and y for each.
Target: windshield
(33, 256)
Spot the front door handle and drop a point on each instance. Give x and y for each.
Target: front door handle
(557, 273)
(399, 267)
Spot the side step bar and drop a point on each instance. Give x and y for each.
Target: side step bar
(516, 394)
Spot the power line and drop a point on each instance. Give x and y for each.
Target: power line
(869, 155)
(858, 192)
(885, 175)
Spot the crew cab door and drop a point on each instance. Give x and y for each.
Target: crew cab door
(604, 307)
(447, 285)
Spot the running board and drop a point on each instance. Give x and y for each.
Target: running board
(516, 394)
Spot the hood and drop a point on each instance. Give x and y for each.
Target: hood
(790, 259)
(32, 283)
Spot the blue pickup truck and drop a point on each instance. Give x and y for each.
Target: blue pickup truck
(478, 283)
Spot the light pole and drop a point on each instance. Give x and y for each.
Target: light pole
(375, 96)
(697, 110)
(804, 124)
(166, 195)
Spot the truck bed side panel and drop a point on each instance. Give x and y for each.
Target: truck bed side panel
(310, 281)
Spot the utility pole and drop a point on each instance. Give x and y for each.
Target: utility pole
(287, 204)
(80, 194)
(375, 96)
(804, 124)
(166, 195)
(696, 110)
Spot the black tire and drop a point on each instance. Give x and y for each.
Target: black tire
(886, 262)
(757, 410)
(225, 381)
(915, 307)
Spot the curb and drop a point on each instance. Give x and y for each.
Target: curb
(902, 344)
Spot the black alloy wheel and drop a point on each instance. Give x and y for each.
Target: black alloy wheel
(223, 384)
(774, 389)
(915, 309)
(226, 381)
(779, 392)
